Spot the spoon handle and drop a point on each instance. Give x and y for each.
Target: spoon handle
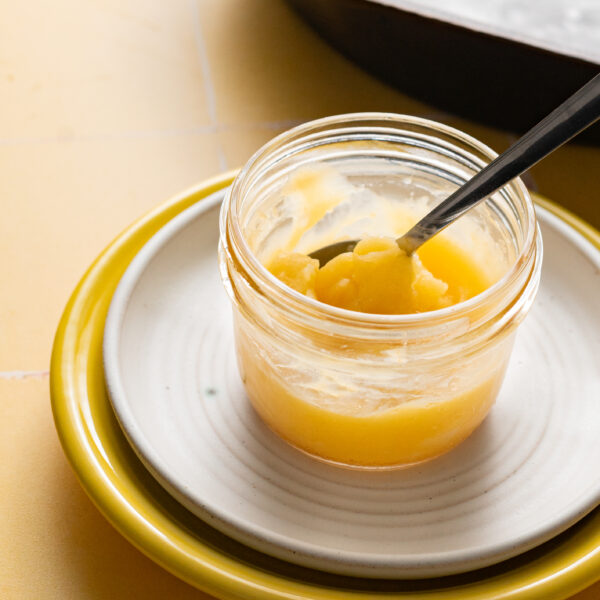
(573, 115)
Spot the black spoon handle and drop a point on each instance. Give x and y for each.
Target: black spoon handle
(573, 115)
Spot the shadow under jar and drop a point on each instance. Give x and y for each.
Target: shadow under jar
(370, 390)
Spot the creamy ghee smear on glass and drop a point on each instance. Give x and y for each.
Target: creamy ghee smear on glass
(377, 277)
(399, 423)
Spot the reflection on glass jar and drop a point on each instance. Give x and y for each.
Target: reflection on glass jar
(373, 390)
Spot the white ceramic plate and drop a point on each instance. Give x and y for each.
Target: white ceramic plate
(528, 473)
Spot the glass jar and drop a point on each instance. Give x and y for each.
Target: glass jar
(370, 390)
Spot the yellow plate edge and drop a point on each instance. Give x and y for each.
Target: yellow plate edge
(549, 578)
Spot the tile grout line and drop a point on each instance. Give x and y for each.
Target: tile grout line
(209, 88)
(8, 375)
(223, 164)
(154, 133)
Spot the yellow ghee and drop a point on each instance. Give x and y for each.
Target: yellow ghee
(412, 432)
(377, 277)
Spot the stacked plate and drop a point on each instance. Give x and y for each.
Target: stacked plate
(152, 414)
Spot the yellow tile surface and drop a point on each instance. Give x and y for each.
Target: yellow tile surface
(107, 108)
(61, 204)
(71, 69)
(268, 66)
(238, 144)
(571, 176)
(54, 543)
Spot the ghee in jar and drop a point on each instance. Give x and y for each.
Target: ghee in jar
(377, 277)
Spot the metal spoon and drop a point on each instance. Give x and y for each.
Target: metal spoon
(573, 115)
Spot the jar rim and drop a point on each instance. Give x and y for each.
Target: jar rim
(293, 299)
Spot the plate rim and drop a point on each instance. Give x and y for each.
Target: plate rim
(383, 565)
(73, 355)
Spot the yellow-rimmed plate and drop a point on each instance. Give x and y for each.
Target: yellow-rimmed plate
(139, 508)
